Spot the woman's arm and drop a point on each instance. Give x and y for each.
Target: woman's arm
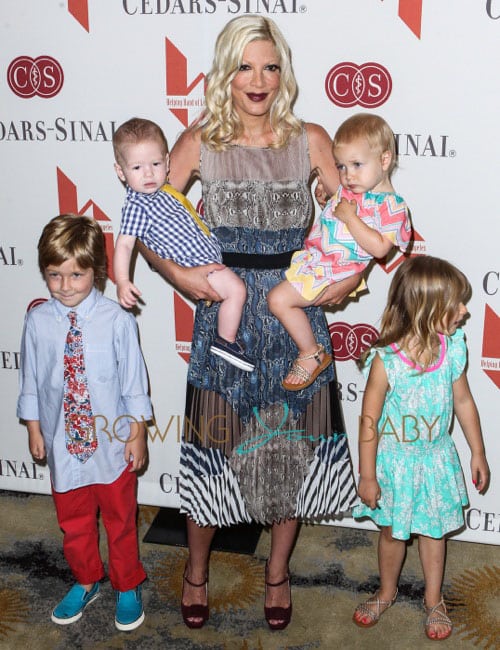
(321, 156)
(185, 159)
(190, 281)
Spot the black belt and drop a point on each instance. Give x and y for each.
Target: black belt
(249, 261)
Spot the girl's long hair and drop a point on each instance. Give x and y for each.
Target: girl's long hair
(424, 293)
(220, 123)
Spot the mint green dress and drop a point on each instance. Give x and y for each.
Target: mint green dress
(418, 469)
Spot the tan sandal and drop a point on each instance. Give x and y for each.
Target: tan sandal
(306, 377)
(437, 615)
(373, 615)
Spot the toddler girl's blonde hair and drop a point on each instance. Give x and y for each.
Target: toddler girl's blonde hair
(370, 127)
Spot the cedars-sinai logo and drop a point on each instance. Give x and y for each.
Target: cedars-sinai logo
(350, 341)
(42, 76)
(368, 85)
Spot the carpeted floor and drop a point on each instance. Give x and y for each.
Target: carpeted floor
(333, 568)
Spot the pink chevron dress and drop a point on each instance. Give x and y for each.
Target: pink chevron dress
(332, 254)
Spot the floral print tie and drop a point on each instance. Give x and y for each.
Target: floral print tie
(80, 434)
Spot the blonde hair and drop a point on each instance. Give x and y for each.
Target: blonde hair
(372, 128)
(71, 236)
(424, 293)
(134, 131)
(220, 122)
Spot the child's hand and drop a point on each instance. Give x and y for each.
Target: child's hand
(345, 210)
(136, 450)
(127, 294)
(480, 472)
(37, 444)
(369, 492)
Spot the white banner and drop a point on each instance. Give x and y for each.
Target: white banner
(72, 72)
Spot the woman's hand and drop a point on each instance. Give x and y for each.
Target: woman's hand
(190, 281)
(193, 282)
(320, 194)
(339, 291)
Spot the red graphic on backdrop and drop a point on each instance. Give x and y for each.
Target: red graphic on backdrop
(410, 12)
(182, 99)
(68, 204)
(490, 362)
(418, 247)
(368, 85)
(28, 77)
(350, 341)
(79, 9)
(184, 322)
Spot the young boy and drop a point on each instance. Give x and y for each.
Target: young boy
(166, 222)
(83, 394)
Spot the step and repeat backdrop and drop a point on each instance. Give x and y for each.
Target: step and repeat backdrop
(71, 72)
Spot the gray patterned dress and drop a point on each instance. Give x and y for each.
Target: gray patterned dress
(252, 451)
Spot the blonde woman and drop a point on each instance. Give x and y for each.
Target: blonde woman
(275, 458)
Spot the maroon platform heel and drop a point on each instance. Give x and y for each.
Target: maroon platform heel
(281, 615)
(196, 611)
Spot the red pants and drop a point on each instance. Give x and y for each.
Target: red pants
(77, 514)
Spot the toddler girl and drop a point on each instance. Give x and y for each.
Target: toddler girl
(364, 219)
(411, 481)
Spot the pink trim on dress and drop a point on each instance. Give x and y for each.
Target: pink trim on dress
(412, 364)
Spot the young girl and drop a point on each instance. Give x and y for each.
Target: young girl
(364, 219)
(411, 481)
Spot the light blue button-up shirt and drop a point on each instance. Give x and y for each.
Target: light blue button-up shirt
(117, 382)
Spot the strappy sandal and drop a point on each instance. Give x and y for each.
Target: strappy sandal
(280, 616)
(196, 611)
(373, 615)
(437, 615)
(307, 378)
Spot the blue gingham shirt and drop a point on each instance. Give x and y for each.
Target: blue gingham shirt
(166, 227)
(117, 382)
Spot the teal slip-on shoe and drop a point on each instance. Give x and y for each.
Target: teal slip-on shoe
(129, 609)
(71, 607)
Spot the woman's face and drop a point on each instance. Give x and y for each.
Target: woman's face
(256, 84)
